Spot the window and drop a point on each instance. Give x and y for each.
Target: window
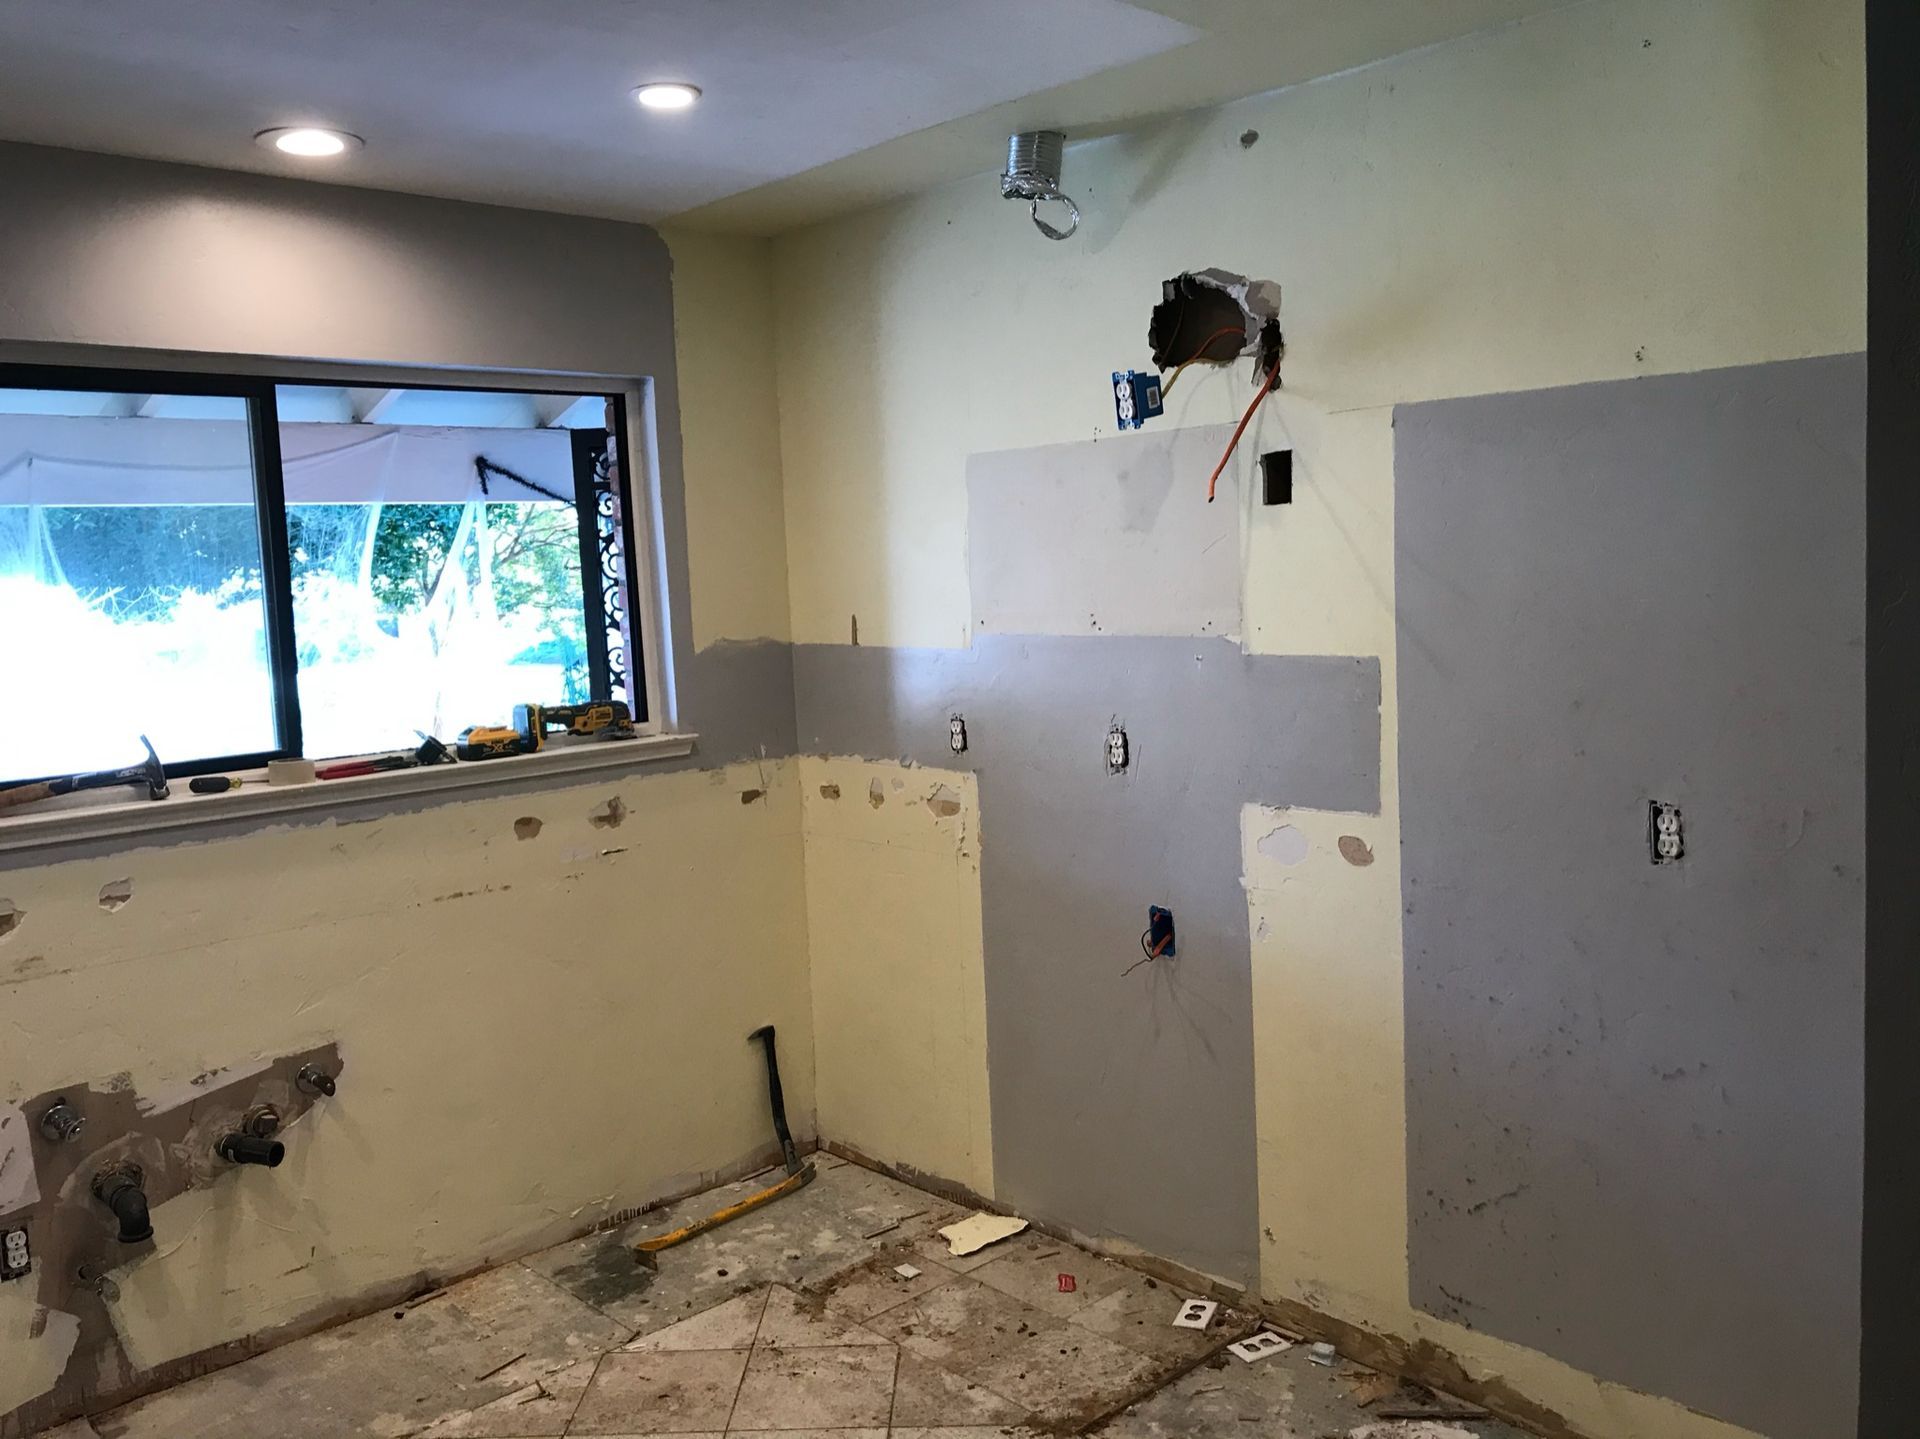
(242, 569)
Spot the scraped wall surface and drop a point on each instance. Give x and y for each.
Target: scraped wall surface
(1620, 189)
(538, 972)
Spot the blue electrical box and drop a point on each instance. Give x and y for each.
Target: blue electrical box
(1136, 398)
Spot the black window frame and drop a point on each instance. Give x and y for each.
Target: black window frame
(260, 392)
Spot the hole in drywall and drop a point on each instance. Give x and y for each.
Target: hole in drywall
(115, 893)
(1355, 850)
(609, 815)
(1249, 138)
(876, 794)
(10, 917)
(1284, 845)
(527, 828)
(829, 791)
(748, 796)
(944, 802)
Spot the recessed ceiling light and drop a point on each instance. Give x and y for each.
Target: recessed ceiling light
(308, 142)
(670, 95)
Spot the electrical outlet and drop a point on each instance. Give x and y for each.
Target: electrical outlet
(1136, 398)
(1666, 843)
(957, 734)
(1116, 750)
(16, 1260)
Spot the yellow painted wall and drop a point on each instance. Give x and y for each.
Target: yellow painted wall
(1623, 188)
(899, 984)
(730, 438)
(579, 1001)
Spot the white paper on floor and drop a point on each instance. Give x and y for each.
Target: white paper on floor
(1195, 1314)
(977, 1231)
(1410, 1429)
(906, 1271)
(1259, 1346)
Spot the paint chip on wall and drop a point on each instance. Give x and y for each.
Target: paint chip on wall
(526, 828)
(609, 815)
(10, 917)
(876, 794)
(829, 791)
(944, 802)
(1355, 850)
(115, 893)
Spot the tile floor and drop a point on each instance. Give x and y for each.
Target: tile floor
(793, 1322)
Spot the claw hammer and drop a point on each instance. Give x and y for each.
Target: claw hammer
(149, 772)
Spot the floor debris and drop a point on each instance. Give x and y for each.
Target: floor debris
(1367, 1388)
(1259, 1346)
(1196, 1314)
(1067, 1284)
(977, 1231)
(789, 1322)
(498, 1367)
(1324, 1353)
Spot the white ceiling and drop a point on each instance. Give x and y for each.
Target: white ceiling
(811, 106)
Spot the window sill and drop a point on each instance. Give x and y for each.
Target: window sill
(69, 824)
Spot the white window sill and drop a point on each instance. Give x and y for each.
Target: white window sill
(62, 823)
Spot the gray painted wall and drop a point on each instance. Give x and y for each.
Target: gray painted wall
(1634, 1092)
(1122, 1106)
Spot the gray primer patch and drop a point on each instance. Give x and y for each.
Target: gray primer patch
(1283, 844)
(1634, 1092)
(1107, 537)
(1122, 1107)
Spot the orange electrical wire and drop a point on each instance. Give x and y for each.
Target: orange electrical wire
(1266, 388)
(1181, 368)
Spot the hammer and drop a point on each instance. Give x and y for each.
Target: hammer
(149, 772)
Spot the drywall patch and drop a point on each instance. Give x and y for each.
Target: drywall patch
(1355, 851)
(1112, 537)
(526, 827)
(610, 815)
(1590, 581)
(1284, 844)
(943, 802)
(1159, 1152)
(115, 894)
(10, 917)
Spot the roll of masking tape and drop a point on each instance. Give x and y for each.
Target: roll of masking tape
(290, 771)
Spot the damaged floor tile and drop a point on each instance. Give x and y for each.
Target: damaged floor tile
(836, 1313)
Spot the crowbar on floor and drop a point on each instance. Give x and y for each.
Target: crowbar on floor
(799, 1175)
